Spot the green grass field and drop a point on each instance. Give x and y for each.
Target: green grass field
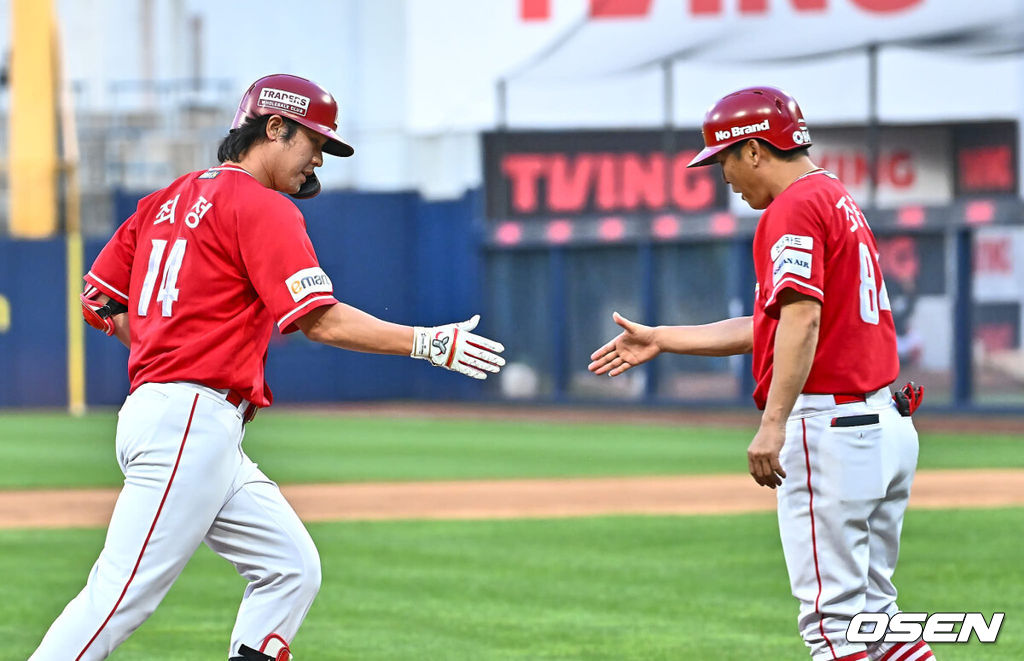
(41, 450)
(597, 588)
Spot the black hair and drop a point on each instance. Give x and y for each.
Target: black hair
(781, 154)
(252, 132)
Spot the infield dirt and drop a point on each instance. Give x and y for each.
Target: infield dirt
(721, 494)
(702, 494)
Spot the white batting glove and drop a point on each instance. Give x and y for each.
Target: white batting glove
(455, 348)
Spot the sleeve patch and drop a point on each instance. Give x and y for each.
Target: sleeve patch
(792, 241)
(308, 281)
(795, 262)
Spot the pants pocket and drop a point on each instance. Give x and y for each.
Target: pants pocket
(858, 450)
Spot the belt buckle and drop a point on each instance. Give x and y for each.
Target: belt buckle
(250, 413)
(235, 399)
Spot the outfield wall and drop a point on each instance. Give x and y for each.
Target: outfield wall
(409, 260)
(393, 255)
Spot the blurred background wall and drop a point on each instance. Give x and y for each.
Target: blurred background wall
(524, 159)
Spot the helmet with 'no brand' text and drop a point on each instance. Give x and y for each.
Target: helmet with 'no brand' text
(766, 113)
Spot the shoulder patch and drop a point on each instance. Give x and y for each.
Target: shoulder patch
(797, 241)
(209, 174)
(308, 281)
(792, 261)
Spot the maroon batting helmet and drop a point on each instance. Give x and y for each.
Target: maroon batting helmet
(766, 113)
(295, 98)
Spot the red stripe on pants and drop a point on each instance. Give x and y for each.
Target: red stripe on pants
(159, 509)
(814, 543)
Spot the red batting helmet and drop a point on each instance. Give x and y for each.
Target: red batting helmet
(765, 113)
(295, 98)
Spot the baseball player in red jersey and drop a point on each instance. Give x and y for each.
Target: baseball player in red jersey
(832, 438)
(193, 282)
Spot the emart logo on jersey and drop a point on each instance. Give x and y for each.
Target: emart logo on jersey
(308, 281)
(934, 628)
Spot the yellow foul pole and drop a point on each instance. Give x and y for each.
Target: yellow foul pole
(76, 329)
(73, 234)
(33, 122)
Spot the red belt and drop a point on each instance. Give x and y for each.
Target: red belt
(235, 399)
(845, 399)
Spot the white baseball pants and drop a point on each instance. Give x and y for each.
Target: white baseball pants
(188, 481)
(841, 510)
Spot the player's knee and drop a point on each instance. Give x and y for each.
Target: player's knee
(312, 576)
(305, 575)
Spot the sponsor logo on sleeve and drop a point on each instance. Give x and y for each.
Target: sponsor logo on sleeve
(792, 261)
(296, 104)
(308, 281)
(792, 241)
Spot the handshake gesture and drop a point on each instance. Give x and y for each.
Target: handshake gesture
(455, 348)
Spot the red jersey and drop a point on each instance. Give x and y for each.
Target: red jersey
(814, 239)
(206, 267)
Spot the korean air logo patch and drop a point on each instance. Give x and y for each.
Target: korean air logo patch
(795, 262)
(308, 281)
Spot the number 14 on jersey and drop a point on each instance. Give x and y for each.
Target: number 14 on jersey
(168, 293)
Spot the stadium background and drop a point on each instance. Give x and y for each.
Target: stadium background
(518, 158)
(527, 172)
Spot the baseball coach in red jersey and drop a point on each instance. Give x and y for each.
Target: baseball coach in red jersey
(193, 283)
(839, 447)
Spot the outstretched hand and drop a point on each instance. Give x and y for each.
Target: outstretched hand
(633, 346)
(455, 348)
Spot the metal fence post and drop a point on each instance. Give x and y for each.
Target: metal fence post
(743, 291)
(963, 324)
(649, 305)
(559, 330)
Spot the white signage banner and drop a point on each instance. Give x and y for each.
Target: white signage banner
(999, 264)
(598, 63)
(623, 35)
(915, 165)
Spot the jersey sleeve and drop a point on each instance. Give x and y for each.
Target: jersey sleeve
(111, 272)
(795, 254)
(281, 263)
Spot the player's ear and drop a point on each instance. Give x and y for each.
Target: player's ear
(754, 150)
(275, 127)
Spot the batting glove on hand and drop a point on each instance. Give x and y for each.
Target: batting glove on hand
(455, 348)
(100, 315)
